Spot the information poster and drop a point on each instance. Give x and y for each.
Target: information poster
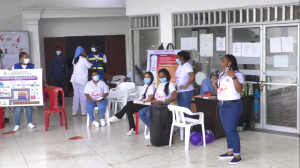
(21, 87)
(220, 44)
(206, 45)
(189, 43)
(12, 44)
(158, 59)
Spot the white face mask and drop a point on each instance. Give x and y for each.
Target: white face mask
(26, 61)
(93, 49)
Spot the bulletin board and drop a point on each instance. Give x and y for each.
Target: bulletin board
(12, 43)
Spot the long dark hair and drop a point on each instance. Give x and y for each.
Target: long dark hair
(139, 71)
(151, 81)
(76, 60)
(233, 61)
(168, 76)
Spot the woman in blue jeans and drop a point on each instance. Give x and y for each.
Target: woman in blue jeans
(96, 92)
(228, 87)
(165, 94)
(185, 77)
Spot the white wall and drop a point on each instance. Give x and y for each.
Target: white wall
(73, 3)
(83, 27)
(10, 15)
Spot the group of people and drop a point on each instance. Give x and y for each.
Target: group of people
(89, 94)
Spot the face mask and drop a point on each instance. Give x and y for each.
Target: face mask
(163, 80)
(178, 62)
(93, 49)
(2, 56)
(26, 61)
(96, 78)
(147, 80)
(58, 52)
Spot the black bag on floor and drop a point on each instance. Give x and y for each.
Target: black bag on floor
(160, 125)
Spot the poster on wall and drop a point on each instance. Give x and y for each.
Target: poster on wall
(21, 87)
(158, 59)
(12, 44)
(206, 45)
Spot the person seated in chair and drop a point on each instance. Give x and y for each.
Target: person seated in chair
(207, 86)
(130, 107)
(96, 92)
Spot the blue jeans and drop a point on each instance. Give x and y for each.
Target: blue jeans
(144, 115)
(184, 99)
(230, 114)
(101, 106)
(18, 112)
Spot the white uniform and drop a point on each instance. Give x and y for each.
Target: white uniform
(96, 91)
(182, 77)
(226, 89)
(151, 90)
(160, 93)
(137, 76)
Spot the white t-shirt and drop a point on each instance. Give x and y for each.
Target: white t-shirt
(160, 93)
(182, 77)
(96, 91)
(80, 73)
(23, 66)
(104, 58)
(226, 89)
(151, 90)
(137, 76)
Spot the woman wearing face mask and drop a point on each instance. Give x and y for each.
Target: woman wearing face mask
(96, 92)
(24, 64)
(184, 79)
(228, 87)
(1, 58)
(165, 94)
(130, 107)
(79, 79)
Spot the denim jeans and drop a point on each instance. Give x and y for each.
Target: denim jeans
(18, 112)
(230, 114)
(144, 115)
(101, 107)
(185, 99)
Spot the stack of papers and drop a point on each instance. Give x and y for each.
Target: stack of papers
(141, 102)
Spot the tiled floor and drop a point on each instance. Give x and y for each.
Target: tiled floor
(110, 147)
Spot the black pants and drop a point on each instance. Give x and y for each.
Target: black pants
(60, 83)
(129, 109)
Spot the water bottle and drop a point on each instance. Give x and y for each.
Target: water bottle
(250, 89)
(246, 90)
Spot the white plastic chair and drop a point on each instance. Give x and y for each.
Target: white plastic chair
(106, 116)
(117, 96)
(184, 122)
(137, 94)
(118, 78)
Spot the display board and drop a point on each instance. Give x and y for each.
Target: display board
(158, 59)
(22, 87)
(12, 44)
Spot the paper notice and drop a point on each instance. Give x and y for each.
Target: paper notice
(189, 43)
(255, 49)
(237, 49)
(281, 61)
(206, 45)
(246, 49)
(287, 44)
(220, 44)
(275, 45)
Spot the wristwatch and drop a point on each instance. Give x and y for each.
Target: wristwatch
(234, 78)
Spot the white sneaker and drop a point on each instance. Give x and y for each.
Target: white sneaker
(95, 123)
(30, 125)
(102, 121)
(113, 119)
(131, 132)
(17, 127)
(148, 135)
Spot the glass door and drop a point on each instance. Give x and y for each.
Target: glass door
(280, 91)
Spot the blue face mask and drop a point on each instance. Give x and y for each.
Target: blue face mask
(58, 52)
(147, 80)
(163, 80)
(96, 78)
(178, 62)
(2, 56)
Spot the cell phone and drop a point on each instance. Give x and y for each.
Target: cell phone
(228, 68)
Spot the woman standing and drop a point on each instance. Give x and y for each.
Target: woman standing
(184, 79)
(79, 79)
(130, 107)
(165, 94)
(228, 87)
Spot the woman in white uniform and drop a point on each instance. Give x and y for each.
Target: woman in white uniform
(228, 87)
(185, 77)
(79, 79)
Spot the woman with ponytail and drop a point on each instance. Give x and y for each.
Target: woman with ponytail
(165, 94)
(130, 107)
